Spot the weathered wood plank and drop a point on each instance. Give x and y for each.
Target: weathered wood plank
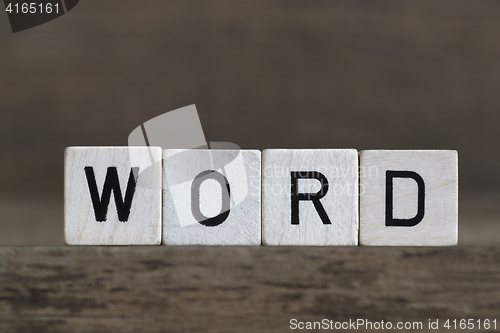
(240, 289)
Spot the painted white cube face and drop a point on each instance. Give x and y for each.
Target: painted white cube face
(110, 201)
(409, 197)
(211, 197)
(310, 197)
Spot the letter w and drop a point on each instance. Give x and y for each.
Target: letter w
(111, 183)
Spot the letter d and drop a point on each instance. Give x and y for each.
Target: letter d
(390, 221)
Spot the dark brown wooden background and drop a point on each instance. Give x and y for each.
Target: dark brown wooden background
(263, 74)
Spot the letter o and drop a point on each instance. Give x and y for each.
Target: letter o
(195, 198)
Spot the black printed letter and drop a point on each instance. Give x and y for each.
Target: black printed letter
(314, 197)
(111, 184)
(195, 198)
(389, 199)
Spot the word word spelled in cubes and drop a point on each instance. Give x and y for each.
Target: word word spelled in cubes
(112, 195)
(408, 197)
(211, 197)
(310, 197)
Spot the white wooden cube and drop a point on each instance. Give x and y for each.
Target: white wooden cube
(409, 197)
(112, 195)
(211, 197)
(310, 197)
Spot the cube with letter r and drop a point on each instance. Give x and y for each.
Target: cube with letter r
(310, 197)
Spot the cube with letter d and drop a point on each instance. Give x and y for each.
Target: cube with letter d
(409, 197)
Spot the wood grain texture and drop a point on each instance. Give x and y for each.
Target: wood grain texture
(141, 225)
(327, 176)
(438, 172)
(239, 289)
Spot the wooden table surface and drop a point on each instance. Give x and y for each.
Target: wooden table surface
(240, 289)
